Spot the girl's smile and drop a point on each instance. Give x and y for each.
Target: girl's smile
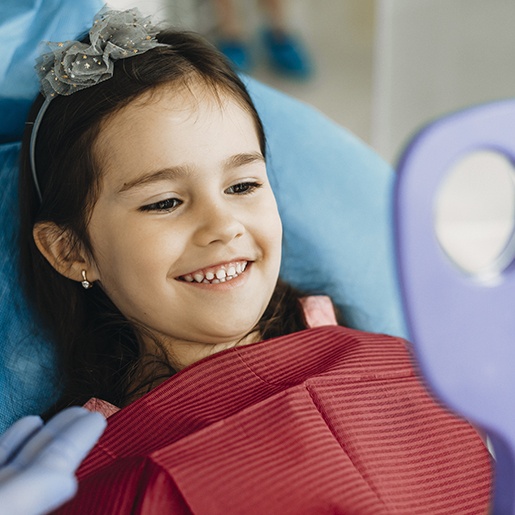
(218, 274)
(185, 233)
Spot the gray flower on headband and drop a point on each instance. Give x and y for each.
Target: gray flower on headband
(71, 65)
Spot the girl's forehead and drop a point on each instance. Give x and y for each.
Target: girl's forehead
(184, 100)
(190, 96)
(170, 126)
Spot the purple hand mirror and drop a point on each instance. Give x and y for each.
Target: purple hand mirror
(462, 322)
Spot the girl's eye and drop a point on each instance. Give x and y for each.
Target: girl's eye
(168, 204)
(243, 188)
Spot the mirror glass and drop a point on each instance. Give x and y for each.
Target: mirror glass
(475, 211)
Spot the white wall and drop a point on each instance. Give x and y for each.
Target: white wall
(436, 56)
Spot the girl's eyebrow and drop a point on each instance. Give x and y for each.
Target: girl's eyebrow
(243, 159)
(176, 172)
(155, 176)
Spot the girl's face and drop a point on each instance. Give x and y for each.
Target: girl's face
(186, 235)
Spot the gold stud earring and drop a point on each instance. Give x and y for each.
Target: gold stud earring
(85, 283)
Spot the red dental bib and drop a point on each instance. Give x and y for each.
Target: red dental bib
(327, 420)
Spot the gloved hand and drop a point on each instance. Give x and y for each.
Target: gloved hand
(38, 461)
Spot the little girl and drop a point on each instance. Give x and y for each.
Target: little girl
(151, 246)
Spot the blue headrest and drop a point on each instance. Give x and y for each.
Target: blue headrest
(334, 195)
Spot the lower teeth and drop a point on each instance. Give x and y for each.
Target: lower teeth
(218, 281)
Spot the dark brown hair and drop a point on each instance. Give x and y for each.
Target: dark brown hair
(97, 348)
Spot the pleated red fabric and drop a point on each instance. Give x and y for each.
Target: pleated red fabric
(325, 421)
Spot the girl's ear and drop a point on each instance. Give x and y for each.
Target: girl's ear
(62, 250)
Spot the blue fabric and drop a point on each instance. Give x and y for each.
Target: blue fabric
(25, 357)
(334, 195)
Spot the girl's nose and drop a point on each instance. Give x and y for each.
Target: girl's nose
(217, 223)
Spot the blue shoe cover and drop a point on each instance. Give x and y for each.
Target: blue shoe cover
(287, 54)
(237, 52)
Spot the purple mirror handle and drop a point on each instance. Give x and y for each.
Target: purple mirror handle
(463, 329)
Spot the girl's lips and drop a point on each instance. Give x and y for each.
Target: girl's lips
(216, 274)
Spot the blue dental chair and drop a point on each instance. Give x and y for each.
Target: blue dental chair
(334, 195)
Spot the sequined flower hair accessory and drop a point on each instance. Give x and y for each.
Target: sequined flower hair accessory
(71, 66)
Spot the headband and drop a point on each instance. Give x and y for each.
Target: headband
(71, 65)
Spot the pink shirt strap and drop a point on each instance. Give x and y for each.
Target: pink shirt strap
(103, 407)
(318, 311)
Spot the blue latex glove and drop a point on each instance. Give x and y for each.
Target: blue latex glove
(38, 462)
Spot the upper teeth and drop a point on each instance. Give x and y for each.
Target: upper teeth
(217, 275)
